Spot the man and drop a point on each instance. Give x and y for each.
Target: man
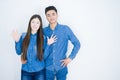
(56, 62)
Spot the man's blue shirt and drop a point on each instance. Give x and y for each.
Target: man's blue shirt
(57, 51)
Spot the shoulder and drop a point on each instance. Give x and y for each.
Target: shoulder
(45, 28)
(65, 27)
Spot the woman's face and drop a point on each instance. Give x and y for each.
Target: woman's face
(35, 24)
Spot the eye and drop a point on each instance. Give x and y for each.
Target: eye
(32, 22)
(37, 22)
(53, 14)
(48, 15)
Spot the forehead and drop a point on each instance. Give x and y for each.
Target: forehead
(35, 19)
(51, 12)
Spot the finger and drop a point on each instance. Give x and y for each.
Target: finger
(12, 32)
(55, 39)
(62, 60)
(51, 36)
(62, 64)
(15, 30)
(47, 37)
(54, 36)
(65, 64)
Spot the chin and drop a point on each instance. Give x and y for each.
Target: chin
(52, 22)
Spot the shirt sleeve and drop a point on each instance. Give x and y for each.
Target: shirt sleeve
(46, 48)
(18, 46)
(74, 41)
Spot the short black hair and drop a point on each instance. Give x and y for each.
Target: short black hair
(50, 8)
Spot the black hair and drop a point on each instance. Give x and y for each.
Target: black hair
(50, 8)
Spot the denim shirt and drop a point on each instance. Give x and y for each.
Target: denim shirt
(57, 51)
(33, 64)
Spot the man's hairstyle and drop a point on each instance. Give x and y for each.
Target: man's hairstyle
(50, 8)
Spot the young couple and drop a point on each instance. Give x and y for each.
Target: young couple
(43, 51)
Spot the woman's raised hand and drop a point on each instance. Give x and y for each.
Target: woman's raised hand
(16, 35)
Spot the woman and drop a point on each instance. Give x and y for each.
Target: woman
(30, 46)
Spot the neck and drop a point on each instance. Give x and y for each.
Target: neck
(34, 32)
(53, 25)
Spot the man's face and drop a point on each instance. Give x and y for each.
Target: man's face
(51, 16)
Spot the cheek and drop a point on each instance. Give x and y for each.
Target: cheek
(38, 26)
(48, 19)
(55, 17)
(31, 24)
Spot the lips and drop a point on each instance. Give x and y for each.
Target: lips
(52, 20)
(35, 27)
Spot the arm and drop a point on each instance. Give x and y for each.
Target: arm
(18, 41)
(75, 49)
(18, 46)
(46, 48)
(75, 42)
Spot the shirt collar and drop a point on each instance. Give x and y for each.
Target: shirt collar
(33, 34)
(56, 27)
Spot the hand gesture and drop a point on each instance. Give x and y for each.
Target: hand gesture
(51, 40)
(16, 35)
(65, 62)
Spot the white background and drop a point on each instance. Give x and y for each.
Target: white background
(96, 23)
